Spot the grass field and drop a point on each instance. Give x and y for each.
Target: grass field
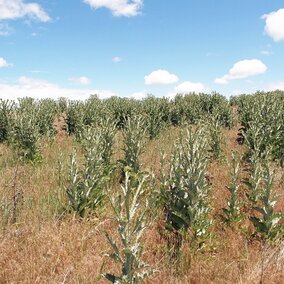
(42, 242)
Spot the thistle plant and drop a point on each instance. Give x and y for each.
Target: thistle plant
(75, 118)
(46, 112)
(86, 190)
(216, 139)
(157, 115)
(233, 210)
(185, 189)
(262, 119)
(135, 139)
(131, 206)
(107, 128)
(254, 180)
(266, 221)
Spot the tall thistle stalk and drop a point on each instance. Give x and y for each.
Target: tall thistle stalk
(216, 139)
(135, 138)
(266, 221)
(185, 189)
(131, 206)
(86, 190)
(233, 210)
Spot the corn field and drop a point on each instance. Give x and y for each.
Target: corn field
(153, 188)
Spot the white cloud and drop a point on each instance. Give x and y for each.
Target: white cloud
(243, 69)
(274, 26)
(4, 63)
(83, 80)
(5, 29)
(160, 77)
(13, 9)
(189, 87)
(139, 95)
(128, 8)
(38, 89)
(186, 88)
(117, 59)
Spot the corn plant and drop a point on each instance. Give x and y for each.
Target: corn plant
(185, 189)
(86, 190)
(135, 137)
(266, 221)
(233, 210)
(131, 206)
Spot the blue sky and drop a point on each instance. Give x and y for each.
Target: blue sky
(53, 48)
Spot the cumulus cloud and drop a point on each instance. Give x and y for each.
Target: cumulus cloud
(4, 63)
(83, 80)
(186, 88)
(14, 9)
(189, 87)
(117, 59)
(139, 95)
(38, 89)
(243, 69)
(160, 77)
(127, 8)
(274, 24)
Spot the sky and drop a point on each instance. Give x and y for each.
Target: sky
(131, 48)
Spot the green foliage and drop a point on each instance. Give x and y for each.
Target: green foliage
(74, 118)
(266, 221)
(254, 180)
(215, 136)
(123, 109)
(86, 190)
(46, 111)
(157, 115)
(131, 206)
(233, 210)
(193, 107)
(6, 108)
(25, 132)
(185, 189)
(135, 138)
(28, 122)
(262, 118)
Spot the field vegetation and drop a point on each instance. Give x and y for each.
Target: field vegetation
(188, 190)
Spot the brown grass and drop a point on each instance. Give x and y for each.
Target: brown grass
(46, 246)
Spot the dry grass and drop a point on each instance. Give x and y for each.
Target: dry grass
(46, 246)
